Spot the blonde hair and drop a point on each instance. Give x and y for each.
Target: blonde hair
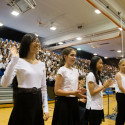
(121, 61)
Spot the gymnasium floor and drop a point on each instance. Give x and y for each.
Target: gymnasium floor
(5, 112)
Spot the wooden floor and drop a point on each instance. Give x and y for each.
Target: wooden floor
(5, 112)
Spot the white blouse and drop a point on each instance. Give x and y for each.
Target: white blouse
(70, 79)
(122, 81)
(94, 102)
(28, 76)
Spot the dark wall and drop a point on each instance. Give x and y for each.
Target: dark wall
(84, 54)
(111, 61)
(11, 34)
(81, 54)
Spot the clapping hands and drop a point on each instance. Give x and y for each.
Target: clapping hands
(108, 83)
(79, 93)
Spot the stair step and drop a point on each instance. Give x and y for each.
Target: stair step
(6, 89)
(6, 101)
(6, 92)
(4, 98)
(6, 95)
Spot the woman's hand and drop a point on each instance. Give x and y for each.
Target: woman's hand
(13, 51)
(46, 116)
(79, 94)
(83, 100)
(82, 90)
(108, 83)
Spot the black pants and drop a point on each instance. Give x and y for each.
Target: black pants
(120, 119)
(27, 109)
(82, 112)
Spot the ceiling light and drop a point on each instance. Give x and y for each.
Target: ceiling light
(1, 24)
(60, 43)
(36, 34)
(106, 57)
(78, 48)
(97, 11)
(33, 7)
(94, 45)
(53, 28)
(15, 13)
(95, 54)
(120, 29)
(79, 38)
(119, 51)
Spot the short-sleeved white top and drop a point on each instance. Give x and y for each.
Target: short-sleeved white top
(122, 81)
(94, 102)
(70, 79)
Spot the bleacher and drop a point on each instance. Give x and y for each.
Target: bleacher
(6, 95)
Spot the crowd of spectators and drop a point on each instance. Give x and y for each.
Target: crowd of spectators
(51, 60)
(5, 55)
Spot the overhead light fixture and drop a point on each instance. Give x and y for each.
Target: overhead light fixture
(53, 28)
(94, 45)
(15, 13)
(95, 54)
(78, 48)
(119, 51)
(120, 29)
(79, 38)
(21, 5)
(60, 43)
(97, 11)
(1, 24)
(106, 57)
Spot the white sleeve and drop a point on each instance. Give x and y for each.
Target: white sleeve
(44, 91)
(10, 72)
(61, 72)
(91, 77)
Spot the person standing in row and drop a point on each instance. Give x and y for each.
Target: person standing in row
(82, 102)
(66, 110)
(120, 93)
(95, 88)
(30, 92)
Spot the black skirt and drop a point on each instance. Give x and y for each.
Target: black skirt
(66, 111)
(94, 117)
(27, 109)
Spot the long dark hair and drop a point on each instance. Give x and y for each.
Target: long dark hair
(93, 69)
(66, 52)
(25, 44)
